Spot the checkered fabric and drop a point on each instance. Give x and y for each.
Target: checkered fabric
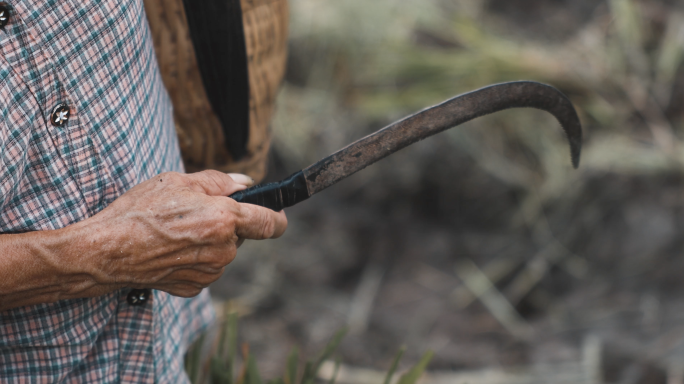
(97, 57)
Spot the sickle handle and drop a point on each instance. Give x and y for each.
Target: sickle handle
(277, 195)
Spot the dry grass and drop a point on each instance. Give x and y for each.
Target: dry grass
(358, 65)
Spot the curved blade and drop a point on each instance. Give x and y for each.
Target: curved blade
(458, 110)
(453, 112)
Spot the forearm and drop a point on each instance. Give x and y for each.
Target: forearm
(47, 266)
(174, 233)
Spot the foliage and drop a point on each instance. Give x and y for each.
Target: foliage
(620, 69)
(222, 362)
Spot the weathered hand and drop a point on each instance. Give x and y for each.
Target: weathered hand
(176, 232)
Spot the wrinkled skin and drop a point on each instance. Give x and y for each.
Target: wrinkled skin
(175, 233)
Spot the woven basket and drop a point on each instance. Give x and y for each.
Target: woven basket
(199, 131)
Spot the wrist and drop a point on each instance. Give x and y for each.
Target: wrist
(47, 266)
(84, 248)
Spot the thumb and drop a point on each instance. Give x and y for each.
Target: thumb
(258, 223)
(215, 183)
(242, 179)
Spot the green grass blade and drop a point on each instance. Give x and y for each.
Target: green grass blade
(628, 20)
(219, 371)
(394, 365)
(292, 362)
(232, 330)
(333, 378)
(193, 360)
(252, 376)
(311, 368)
(222, 365)
(309, 373)
(329, 349)
(222, 351)
(412, 376)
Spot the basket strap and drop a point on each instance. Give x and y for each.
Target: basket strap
(218, 37)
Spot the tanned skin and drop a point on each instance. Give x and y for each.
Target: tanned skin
(175, 233)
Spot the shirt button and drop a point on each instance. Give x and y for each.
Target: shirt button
(138, 296)
(60, 115)
(4, 15)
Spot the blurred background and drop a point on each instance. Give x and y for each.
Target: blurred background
(481, 244)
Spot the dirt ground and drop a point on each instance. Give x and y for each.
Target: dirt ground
(399, 254)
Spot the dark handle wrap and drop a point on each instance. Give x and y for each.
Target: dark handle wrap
(276, 196)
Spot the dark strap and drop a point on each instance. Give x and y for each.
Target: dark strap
(218, 36)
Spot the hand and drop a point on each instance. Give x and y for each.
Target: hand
(175, 232)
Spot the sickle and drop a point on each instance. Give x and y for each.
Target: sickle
(458, 110)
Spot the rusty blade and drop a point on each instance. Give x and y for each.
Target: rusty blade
(453, 112)
(357, 156)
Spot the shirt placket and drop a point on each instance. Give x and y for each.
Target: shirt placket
(136, 330)
(71, 138)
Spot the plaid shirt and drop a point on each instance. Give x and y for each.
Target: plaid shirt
(97, 57)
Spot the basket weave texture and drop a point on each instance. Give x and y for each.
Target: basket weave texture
(199, 130)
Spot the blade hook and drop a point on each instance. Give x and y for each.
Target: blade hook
(428, 122)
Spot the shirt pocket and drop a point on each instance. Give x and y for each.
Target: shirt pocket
(37, 191)
(64, 323)
(15, 127)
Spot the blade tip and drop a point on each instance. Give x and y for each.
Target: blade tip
(575, 153)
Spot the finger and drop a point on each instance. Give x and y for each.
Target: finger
(258, 223)
(175, 285)
(212, 258)
(215, 183)
(242, 179)
(172, 273)
(193, 276)
(181, 290)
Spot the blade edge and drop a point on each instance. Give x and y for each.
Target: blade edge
(451, 113)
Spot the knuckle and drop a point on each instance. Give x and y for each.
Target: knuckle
(215, 176)
(227, 231)
(224, 256)
(217, 256)
(219, 223)
(172, 176)
(228, 228)
(175, 179)
(230, 254)
(212, 173)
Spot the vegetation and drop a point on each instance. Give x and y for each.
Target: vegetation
(482, 243)
(222, 363)
(620, 69)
